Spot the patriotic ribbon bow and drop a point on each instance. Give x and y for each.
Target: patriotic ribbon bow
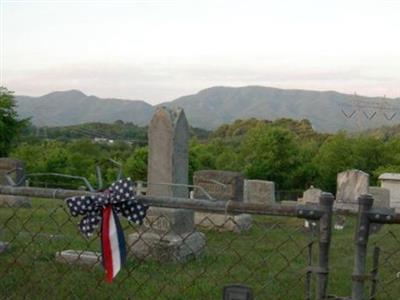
(104, 208)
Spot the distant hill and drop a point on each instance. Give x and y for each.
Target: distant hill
(214, 106)
(74, 107)
(208, 108)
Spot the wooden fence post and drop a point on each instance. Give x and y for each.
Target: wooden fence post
(361, 242)
(325, 233)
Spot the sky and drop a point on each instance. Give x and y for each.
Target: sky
(160, 50)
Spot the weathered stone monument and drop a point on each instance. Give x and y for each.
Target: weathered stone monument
(350, 185)
(391, 181)
(259, 191)
(381, 196)
(168, 234)
(16, 170)
(221, 185)
(311, 195)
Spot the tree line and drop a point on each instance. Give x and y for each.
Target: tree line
(289, 152)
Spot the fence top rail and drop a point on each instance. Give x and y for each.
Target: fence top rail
(216, 206)
(375, 214)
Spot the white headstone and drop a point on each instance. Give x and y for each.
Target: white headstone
(391, 181)
(350, 185)
(259, 191)
(311, 195)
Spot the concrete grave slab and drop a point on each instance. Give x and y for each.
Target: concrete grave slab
(222, 222)
(78, 257)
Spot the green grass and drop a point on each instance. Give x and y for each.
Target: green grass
(271, 258)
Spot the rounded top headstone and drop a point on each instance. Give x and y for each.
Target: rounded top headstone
(172, 115)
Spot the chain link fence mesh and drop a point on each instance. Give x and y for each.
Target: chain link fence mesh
(388, 279)
(272, 257)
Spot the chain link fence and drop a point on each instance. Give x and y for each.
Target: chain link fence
(44, 255)
(270, 256)
(386, 249)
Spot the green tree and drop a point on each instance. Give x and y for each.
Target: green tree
(271, 153)
(33, 156)
(370, 155)
(10, 125)
(228, 160)
(136, 164)
(389, 157)
(336, 154)
(305, 174)
(391, 152)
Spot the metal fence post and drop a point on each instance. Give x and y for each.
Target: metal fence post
(309, 272)
(325, 232)
(374, 273)
(361, 242)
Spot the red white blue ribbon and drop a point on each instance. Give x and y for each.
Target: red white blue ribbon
(104, 208)
(112, 244)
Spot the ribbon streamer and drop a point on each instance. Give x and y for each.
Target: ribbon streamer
(105, 208)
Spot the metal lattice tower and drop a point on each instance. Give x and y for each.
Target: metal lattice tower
(368, 110)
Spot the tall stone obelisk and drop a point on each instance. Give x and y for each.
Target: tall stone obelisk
(168, 234)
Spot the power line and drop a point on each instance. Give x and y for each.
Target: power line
(369, 109)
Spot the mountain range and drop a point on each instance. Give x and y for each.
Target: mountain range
(328, 111)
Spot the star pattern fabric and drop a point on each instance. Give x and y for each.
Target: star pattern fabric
(120, 196)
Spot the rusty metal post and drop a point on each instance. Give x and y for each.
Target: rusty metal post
(309, 272)
(374, 272)
(361, 242)
(325, 233)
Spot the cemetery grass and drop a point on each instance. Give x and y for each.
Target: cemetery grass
(271, 258)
